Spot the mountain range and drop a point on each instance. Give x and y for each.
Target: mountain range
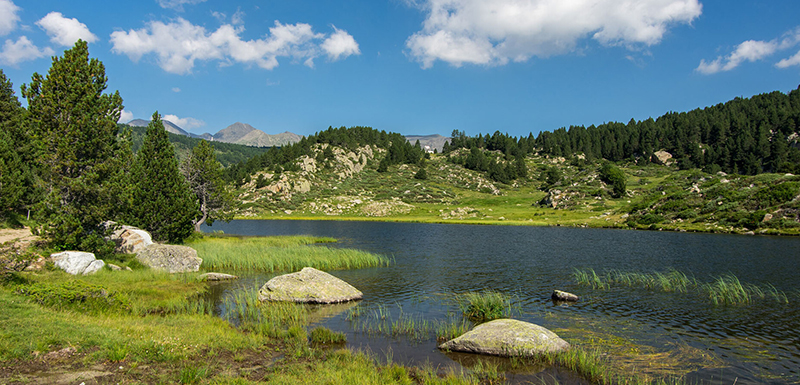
(237, 133)
(245, 134)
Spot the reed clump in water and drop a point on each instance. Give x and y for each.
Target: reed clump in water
(486, 305)
(724, 290)
(270, 254)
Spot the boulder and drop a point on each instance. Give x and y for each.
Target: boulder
(308, 286)
(129, 239)
(663, 158)
(559, 295)
(507, 337)
(171, 258)
(215, 277)
(77, 262)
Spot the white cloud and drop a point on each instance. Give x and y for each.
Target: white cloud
(8, 17)
(176, 89)
(754, 50)
(750, 50)
(492, 32)
(65, 31)
(788, 62)
(178, 44)
(238, 17)
(22, 50)
(185, 123)
(177, 4)
(125, 116)
(339, 44)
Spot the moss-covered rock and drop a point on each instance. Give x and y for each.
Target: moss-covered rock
(507, 337)
(308, 286)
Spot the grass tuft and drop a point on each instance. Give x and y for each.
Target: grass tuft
(486, 305)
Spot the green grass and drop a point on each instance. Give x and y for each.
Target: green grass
(322, 335)
(270, 254)
(724, 290)
(485, 305)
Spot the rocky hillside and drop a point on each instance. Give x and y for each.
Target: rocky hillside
(429, 142)
(557, 191)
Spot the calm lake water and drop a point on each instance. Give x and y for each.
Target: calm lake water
(754, 343)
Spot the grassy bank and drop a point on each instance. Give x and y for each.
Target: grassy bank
(286, 253)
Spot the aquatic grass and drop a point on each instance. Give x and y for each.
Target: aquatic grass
(322, 336)
(446, 330)
(728, 290)
(486, 305)
(283, 254)
(723, 290)
(273, 319)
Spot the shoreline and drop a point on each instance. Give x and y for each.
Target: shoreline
(529, 222)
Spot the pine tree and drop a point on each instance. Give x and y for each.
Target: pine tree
(75, 126)
(13, 170)
(162, 202)
(204, 175)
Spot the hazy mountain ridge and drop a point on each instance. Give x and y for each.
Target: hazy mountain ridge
(435, 141)
(237, 133)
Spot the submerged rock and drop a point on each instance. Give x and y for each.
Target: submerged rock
(559, 295)
(507, 337)
(172, 258)
(308, 286)
(216, 277)
(77, 262)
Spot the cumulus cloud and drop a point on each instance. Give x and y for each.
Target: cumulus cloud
(339, 44)
(185, 123)
(22, 50)
(179, 44)
(238, 17)
(789, 62)
(177, 4)
(492, 32)
(754, 50)
(8, 17)
(65, 31)
(750, 51)
(125, 116)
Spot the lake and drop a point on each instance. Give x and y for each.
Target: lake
(683, 333)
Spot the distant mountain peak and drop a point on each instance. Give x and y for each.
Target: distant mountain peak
(243, 133)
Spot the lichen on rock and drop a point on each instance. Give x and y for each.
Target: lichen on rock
(507, 337)
(308, 286)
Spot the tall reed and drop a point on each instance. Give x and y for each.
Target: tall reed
(485, 305)
(270, 254)
(724, 290)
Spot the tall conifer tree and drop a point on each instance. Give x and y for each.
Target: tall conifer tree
(75, 124)
(161, 200)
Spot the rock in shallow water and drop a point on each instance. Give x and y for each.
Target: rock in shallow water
(308, 286)
(559, 295)
(507, 337)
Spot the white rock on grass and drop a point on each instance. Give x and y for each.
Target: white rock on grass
(77, 262)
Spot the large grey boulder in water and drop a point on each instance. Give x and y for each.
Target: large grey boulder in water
(171, 258)
(507, 337)
(308, 286)
(77, 262)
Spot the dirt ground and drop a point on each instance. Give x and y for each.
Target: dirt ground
(22, 235)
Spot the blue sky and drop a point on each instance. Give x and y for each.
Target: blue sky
(414, 66)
